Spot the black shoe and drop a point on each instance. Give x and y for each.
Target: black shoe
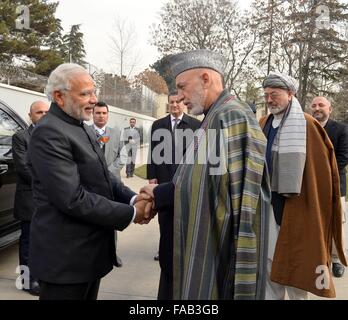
(34, 288)
(156, 257)
(337, 270)
(119, 263)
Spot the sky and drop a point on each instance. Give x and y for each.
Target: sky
(97, 19)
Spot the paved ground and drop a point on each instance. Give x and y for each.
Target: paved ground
(139, 276)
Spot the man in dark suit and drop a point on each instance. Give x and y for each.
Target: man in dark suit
(164, 172)
(78, 204)
(321, 110)
(23, 205)
(131, 137)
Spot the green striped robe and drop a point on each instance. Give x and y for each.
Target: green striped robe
(220, 219)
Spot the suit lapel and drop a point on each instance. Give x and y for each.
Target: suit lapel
(168, 123)
(108, 144)
(184, 122)
(27, 133)
(30, 129)
(95, 145)
(329, 125)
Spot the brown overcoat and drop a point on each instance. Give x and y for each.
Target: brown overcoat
(302, 257)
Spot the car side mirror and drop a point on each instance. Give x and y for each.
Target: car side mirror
(3, 168)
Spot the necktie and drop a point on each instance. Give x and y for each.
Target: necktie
(102, 139)
(175, 126)
(176, 122)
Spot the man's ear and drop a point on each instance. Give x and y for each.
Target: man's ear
(291, 94)
(58, 97)
(206, 79)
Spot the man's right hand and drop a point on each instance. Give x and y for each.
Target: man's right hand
(153, 181)
(144, 212)
(148, 189)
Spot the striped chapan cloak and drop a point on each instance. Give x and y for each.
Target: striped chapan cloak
(220, 217)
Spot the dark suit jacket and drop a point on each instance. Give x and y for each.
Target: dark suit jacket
(72, 230)
(164, 173)
(23, 205)
(338, 134)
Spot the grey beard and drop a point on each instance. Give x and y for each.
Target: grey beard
(197, 110)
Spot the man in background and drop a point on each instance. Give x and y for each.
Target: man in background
(108, 138)
(321, 110)
(24, 204)
(132, 139)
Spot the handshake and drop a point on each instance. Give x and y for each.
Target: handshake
(145, 205)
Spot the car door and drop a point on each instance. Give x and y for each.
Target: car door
(10, 123)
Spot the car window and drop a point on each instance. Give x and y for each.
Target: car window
(8, 127)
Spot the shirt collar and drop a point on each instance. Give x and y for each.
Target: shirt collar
(323, 124)
(100, 130)
(172, 118)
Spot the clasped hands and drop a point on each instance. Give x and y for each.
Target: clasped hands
(145, 205)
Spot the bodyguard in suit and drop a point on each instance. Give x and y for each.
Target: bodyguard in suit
(110, 142)
(78, 203)
(23, 205)
(164, 172)
(321, 110)
(132, 139)
(108, 138)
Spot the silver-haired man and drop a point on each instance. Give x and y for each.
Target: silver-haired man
(78, 205)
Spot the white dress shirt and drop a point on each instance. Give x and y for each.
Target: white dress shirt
(172, 119)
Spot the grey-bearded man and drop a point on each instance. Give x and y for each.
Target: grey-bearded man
(307, 214)
(219, 190)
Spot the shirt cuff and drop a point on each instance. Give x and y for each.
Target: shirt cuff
(131, 202)
(135, 210)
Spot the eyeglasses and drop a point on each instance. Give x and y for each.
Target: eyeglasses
(85, 93)
(88, 93)
(273, 95)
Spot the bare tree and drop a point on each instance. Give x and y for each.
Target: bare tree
(124, 47)
(300, 48)
(200, 24)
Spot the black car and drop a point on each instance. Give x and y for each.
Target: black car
(10, 123)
